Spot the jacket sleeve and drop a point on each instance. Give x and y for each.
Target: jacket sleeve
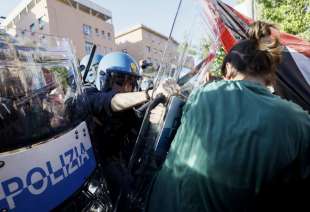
(101, 102)
(303, 129)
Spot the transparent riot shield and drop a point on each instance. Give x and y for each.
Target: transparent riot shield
(46, 156)
(39, 90)
(188, 57)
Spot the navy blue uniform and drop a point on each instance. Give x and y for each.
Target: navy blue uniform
(114, 134)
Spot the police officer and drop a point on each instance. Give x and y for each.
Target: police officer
(117, 126)
(91, 75)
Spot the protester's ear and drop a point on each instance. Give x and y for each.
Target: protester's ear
(231, 72)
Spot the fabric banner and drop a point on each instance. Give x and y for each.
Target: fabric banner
(293, 74)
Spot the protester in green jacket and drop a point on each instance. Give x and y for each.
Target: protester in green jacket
(239, 148)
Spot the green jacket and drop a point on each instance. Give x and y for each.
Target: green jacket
(236, 140)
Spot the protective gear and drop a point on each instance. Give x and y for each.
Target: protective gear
(117, 65)
(91, 76)
(96, 60)
(35, 96)
(44, 112)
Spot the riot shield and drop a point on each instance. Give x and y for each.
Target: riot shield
(45, 150)
(188, 57)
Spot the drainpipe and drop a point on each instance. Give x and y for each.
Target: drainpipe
(253, 10)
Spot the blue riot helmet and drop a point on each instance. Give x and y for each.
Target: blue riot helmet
(91, 76)
(118, 69)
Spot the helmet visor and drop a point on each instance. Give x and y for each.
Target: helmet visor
(127, 83)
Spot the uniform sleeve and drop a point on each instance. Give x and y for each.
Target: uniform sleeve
(101, 102)
(303, 128)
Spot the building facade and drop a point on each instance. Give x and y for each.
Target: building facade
(82, 21)
(144, 43)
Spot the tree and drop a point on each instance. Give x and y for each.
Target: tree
(204, 49)
(292, 16)
(217, 64)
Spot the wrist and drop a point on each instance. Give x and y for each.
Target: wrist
(149, 93)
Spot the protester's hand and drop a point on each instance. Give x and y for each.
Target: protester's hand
(168, 88)
(156, 114)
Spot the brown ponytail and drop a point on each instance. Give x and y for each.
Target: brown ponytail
(258, 55)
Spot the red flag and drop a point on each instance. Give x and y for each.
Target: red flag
(293, 74)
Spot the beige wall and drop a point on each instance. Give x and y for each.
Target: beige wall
(132, 43)
(143, 43)
(65, 21)
(157, 44)
(23, 21)
(68, 22)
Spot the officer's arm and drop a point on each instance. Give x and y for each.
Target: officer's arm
(124, 101)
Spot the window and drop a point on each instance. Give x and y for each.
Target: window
(32, 28)
(103, 34)
(109, 36)
(88, 47)
(99, 48)
(155, 62)
(148, 49)
(87, 29)
(23, 32)
(97, 31)
(41, 23)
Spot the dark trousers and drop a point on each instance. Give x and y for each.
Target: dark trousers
(119, 183)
